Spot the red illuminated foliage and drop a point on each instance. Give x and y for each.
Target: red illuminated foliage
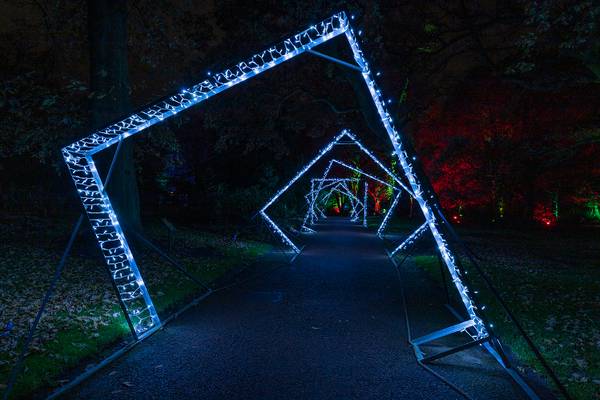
(543, 215)
(378, 193)
(499, 150)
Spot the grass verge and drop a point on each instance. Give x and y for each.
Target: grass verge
(556, 302)
(83, 319)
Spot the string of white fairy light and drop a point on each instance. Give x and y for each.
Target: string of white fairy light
(388, 215)
(300, 173)
(380, 164)
(411, 239)
(423, 199)
(360, 171)
(365, 205)
(325, 173)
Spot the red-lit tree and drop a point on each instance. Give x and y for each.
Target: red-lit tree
(378, 193)
(507, 152)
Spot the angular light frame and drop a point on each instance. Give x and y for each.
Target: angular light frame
(342, 188)
(310, 211)
(132, 292)
(388, 215)
(345, 133)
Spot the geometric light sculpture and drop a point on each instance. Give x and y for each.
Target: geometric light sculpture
(310, 211)
(355, 202)
(311, 197)
(314, 193)
(344, 134)
(410, 239)
(343, 189)
(388, 215)
(132, 292)
(304, 170)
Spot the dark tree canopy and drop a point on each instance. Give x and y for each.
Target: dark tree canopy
(471, 83)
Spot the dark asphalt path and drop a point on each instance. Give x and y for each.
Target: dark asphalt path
(328, 326)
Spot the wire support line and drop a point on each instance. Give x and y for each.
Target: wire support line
(335, 60)
(167, 257)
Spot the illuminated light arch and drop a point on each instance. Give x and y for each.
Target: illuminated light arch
(324, 151)
(312, 215)
(343, 188)
(132, 292)
(263, 211)
(388, 215)
(410, 240)
(313, 194)
(310, 201)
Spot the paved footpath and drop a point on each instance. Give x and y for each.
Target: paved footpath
(328, 326)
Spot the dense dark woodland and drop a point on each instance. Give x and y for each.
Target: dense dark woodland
(501, 100)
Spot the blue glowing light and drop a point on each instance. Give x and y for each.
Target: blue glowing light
(78, 156)
(418, 193)
(410, 239)
(388, 215)
(365, 205)
(341, 186)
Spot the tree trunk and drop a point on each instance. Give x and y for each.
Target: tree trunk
(377, 207)
(377, 202)
(109, 82)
